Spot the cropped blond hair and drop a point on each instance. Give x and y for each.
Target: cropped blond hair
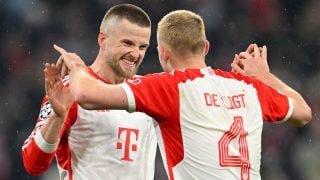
(182, 31)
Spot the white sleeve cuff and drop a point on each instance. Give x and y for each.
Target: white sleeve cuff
(290, 111)
(130, 97)
(44, 145)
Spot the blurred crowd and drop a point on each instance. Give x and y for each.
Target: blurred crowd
(289, 28)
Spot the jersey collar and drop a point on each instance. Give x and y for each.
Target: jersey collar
(95, 75)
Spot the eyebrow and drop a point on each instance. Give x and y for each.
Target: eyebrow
(132, 43)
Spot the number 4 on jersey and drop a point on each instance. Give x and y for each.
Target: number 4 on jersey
(242, 160)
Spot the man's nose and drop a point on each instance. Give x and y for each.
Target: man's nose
(135, 52)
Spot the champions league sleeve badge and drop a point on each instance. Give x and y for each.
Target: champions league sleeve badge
(45, 111)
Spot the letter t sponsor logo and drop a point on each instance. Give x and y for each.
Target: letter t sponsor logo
(127, 145)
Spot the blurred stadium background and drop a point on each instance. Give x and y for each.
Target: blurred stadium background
(289, 28)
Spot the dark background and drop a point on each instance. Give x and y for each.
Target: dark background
(289, 28)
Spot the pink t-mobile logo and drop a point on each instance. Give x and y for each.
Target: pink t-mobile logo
(127, 145)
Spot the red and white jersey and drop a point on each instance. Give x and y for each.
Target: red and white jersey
(210, 121)
(103, 144)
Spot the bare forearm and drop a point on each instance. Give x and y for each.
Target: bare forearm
(85, 89)
(276, 83)
(51, 129)
(302, 112)
(93, 94)
(81, 84)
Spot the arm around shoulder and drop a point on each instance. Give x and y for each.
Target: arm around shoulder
(92, 94)
(254, 63)
(301, 114)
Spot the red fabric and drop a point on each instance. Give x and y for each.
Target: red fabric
(165, 104)
(269, 98)
(36, 161)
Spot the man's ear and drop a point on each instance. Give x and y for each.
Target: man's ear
(159, 49)
(206, 47)
(102, 40)
(163, 53)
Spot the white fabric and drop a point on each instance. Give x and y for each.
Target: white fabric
(94, 139)
(44, 145)
(219, 118)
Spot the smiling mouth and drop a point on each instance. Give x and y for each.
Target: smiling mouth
(129, 63)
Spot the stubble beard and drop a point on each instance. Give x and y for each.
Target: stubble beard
(119, 72)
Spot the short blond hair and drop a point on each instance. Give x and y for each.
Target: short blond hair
(183, 31)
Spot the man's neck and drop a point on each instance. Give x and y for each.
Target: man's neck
(193, 62)
(106, 73)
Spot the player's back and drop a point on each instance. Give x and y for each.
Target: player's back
(221, 125)
(210, 121)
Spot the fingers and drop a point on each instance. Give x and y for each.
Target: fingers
(236, 65)
(250, 48)
(59, 63)
(236, 68)
(64, 70)
(51, 74)
(59, 49)
(256, 51)
(264, 53)
(245, 55)
(234, 62)
(48, 72)
(68, 61)
(55, 73)
(48, 79)
(61, 66)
